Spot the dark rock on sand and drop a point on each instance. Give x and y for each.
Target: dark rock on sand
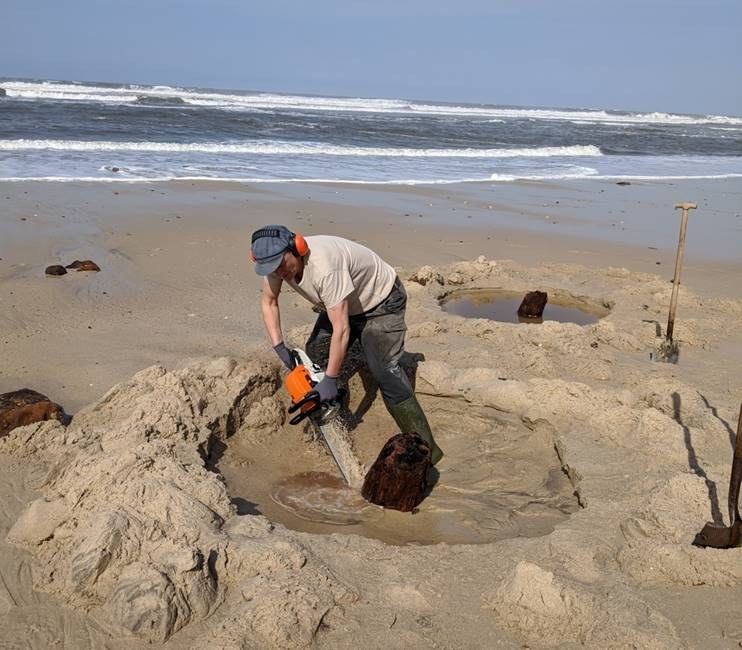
(623, 183)
(533, 304)
(84, 265)
(55, 269)
(26, 406)
(397, 479)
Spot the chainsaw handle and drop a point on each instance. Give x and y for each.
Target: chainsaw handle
(295, 356)
(311, 396)
(298, 418)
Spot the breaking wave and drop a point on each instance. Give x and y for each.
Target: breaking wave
(251, 101)
(286, 148)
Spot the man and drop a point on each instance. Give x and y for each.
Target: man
(359, 297)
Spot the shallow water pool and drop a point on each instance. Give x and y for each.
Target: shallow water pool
(502, 305)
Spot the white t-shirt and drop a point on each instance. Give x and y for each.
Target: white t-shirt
(337, 269)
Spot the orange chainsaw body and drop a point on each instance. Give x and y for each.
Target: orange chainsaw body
(298, 384)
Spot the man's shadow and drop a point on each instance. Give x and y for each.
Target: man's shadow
(694, 465)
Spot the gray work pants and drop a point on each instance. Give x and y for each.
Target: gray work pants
(381, 333)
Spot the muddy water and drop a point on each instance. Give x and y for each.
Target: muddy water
(322, 498)
(499, 479)
(502, 305)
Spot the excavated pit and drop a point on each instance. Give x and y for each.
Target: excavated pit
(500, 478)
(502, 305)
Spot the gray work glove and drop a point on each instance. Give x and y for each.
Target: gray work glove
(284, 355)
(327, 388)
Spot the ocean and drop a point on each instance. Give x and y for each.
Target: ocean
(66, 130)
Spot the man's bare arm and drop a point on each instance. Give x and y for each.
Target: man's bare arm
(271, 312)
(338, 316)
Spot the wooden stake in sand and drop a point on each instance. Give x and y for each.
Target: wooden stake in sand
(678, 264)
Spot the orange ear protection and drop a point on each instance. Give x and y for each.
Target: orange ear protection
(297, 244)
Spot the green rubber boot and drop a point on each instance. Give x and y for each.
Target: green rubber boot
(410, 418)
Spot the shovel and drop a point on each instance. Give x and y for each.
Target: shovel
(718, 536)
(667, 350)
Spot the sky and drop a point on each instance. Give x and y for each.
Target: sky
(645, 55)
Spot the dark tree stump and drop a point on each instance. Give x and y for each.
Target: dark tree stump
(397, 479)
(26, 406)
(55, 269)
(533, 304)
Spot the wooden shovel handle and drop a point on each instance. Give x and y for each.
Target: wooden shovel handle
(736, 477)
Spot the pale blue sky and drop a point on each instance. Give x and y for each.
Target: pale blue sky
(681, 55)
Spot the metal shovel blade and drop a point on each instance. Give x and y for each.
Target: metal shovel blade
(713, 536)
(665, 351)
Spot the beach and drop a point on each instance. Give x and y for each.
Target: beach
(614, 462)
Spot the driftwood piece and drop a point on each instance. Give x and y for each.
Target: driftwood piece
(533, 304)
(83, 265)
(397, 479)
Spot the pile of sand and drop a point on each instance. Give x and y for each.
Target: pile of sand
(134, 529)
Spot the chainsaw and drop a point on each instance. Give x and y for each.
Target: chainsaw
(300, 383)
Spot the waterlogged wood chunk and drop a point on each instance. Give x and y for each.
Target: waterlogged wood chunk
(83, 265)
(397, 479)
(533, 304)
(55, 269)
(26, 406)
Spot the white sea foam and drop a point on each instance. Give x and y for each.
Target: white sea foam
(252, 101)
(72, 96)
(495, 178)
(593, 122)
(573, 173)
(287, 148)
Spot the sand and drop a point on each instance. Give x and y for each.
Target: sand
(153, 517)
